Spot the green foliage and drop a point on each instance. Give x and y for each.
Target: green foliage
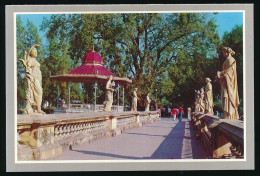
(27, 36)
(172, 53)
(164, 51)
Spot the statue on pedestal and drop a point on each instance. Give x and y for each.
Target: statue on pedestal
(147, 102)
(34, 81)
(228, 82)
(196, 103)
(201, 102)
(109, 95)
(208, 97)
(134, 100)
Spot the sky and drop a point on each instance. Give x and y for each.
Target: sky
(226, 21)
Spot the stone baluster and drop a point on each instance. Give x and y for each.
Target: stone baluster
(68, 129)
(88, 127)
(60, 131)
(56, 131)
(65, 131)
(84, 127)
(72, 129)
(80, 127)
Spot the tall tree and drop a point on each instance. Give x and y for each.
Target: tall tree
(144, 47)
(27, 35)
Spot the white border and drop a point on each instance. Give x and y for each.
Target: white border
(136, 161)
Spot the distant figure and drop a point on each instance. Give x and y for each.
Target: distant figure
(147, 102)
(160, 110)
(189, 113)
(228, 82)
(134, 100)
(181, 113)
(175, 112)
(169, 112)
(208, 97)
(109, 95)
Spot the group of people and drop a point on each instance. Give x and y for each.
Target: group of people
(175, 113)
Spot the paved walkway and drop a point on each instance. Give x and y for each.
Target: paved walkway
(164, 139)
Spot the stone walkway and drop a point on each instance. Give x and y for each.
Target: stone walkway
(164, 139)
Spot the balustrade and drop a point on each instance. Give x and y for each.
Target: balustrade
(222, 138)
(50, 134)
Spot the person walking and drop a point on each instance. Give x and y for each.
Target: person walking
(169, 112)
(175, 112)
(180, 113)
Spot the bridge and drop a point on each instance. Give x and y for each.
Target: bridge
(164, 139)
(127, 136)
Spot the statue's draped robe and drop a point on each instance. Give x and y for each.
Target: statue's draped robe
(134, 102)
(201, 103)
(196, 105)
(109, 96)
(147, 104)
(229, 90)
(34, 80)
(209, 98)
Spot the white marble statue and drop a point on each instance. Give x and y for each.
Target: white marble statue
(147, 102)
(228, 82)
(34, 80)
(208, 97)
(134, 100)
(109, 94)
(201, 102)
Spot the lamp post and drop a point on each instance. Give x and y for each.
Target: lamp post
(58, 93)
(156, 94)
(69, 95)
(113, 86)
(95, 87)
(118, 87)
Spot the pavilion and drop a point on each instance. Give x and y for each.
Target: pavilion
(92, 71)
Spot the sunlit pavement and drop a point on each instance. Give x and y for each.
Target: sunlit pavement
(164, 139)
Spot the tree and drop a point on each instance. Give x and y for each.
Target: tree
(26, 37)
(174, 49)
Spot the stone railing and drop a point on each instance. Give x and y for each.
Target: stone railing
(47, 136)
(222, 138)
(87, 108)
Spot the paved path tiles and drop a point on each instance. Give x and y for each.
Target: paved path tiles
(164, 139)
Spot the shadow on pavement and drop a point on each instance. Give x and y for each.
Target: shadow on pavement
(145, 134)
(171, 147)
(106, 154)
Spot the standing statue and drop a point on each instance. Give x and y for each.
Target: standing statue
(134, 100)
(147, 102)
(34, 81)
(196, 103)
(208, 97)
(189, 113)
(109, 95)
(201, 102)
(228, 82)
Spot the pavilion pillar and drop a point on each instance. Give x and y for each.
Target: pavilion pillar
(69, 94)
(123, 97)
(118, 87)
(95, 103)
(58, 93)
